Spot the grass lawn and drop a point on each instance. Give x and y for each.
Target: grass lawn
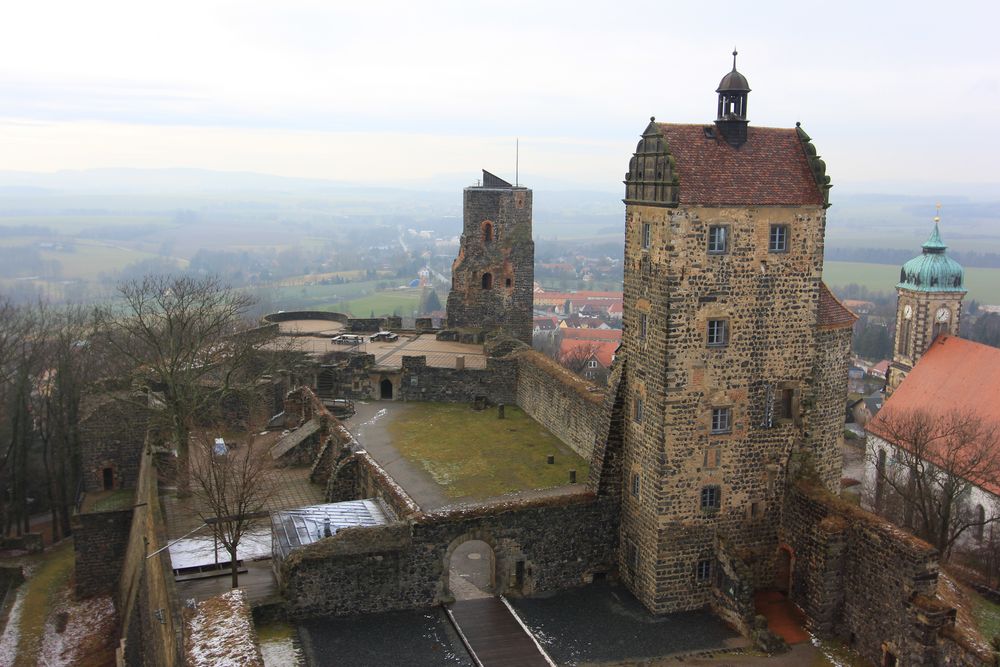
(983, 284)
(383, 303)
(987, 615)
(474, 454)
(54, 568)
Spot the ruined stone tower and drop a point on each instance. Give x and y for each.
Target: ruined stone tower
(493, 275)
(734, 353)
(928, 302)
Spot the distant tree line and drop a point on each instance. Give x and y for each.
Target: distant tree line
(899, 256)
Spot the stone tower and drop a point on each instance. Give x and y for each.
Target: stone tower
(493, 276)
(734, 356)
(929, 302)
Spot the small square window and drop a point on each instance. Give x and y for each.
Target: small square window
(635, 484)
(703, 571)
(756, 509)
(721, 420)
(778, 239)
(718, 239)
(643, 322)
(591, 364)
(718, 333)
(711, 497)
(637, 411)
(646, 234)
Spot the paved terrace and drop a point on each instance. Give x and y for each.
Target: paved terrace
(442, 354)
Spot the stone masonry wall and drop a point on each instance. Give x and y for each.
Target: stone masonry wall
(768, 302)
(112, 434)
(566, 404)
(420, 382)
(100, 540)
(559, 541)
(823, 406)
(496, 240)
(146, 599)
(859, 577)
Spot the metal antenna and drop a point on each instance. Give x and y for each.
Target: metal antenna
(517, 159)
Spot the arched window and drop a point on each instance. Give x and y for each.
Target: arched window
(487, 233)
(487, 281)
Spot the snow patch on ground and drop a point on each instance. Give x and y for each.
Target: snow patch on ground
(83, 619)
(221, 634)
(281, 652)
(12, 631)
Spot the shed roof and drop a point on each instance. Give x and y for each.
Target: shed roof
(832, 314)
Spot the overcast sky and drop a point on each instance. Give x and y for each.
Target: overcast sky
(904, 93)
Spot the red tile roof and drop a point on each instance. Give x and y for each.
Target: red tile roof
(610, 335)
(770, 169)
(954, 375)
(603, 351)
(832, 314)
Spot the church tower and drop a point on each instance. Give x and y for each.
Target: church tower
(492, 278)
(732, 352)
(929, 302)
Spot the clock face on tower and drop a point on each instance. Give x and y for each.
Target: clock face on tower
(908, 311)
(942, 315)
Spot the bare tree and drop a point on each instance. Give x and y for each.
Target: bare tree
(189, 340)
(577, 358)
(924, 477)
(231, 488)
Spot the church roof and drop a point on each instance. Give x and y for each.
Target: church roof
(770, 169)
(832, 314)
(932, 270)
(954, 375)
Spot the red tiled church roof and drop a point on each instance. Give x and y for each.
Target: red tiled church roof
(954, 376)
(832, 314)
(770, 169)
(603, 351)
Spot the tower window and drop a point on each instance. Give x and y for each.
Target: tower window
(632, 555)
(718, 239)
(711, 497)
(703, 571)
(637, 411)
(487, 281)
(718, 333)
(721, 420)
(643, 320)
(507, 282)
(487, 233)
(904, 338)
(646, 234)
(778, 239)
(635, 484)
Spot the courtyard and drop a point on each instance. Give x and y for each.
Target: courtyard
(446, 453)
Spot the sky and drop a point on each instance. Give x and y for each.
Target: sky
(898, 95)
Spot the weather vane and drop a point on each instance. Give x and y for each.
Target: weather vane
(937, 216)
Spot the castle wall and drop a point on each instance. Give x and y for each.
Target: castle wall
(420, 382)
(559, 400)
(859, 577)
(560, 542)
(823, 407)
(100, 540)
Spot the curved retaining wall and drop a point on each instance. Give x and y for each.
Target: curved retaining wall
(288, 315)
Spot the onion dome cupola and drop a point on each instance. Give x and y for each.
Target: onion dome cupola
(933, 270)
(732, 115)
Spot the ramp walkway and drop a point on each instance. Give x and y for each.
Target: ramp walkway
(494, 636)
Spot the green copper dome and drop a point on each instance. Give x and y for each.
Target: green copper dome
(933, 270)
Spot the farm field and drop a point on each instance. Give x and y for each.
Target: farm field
(983, 284)
(383, 303)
